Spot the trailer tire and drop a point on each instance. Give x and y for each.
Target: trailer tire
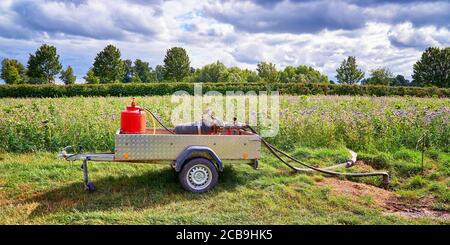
(198, 175)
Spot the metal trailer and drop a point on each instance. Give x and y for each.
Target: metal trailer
(196, 158)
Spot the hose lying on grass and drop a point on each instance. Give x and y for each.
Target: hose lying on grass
(275, 152)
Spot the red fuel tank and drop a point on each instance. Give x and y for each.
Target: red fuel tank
(132, 120)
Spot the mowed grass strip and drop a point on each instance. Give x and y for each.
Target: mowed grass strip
(41, 189)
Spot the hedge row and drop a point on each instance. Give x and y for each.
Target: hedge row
(141, 89)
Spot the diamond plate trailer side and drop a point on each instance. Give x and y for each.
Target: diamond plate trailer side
(160, 146)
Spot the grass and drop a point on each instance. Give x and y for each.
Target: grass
(38, 188)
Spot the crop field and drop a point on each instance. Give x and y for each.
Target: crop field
(388, 133)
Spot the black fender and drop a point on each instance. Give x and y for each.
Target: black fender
(197, 150)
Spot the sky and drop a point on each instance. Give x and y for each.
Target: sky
(319, 33)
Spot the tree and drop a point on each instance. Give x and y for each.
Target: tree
(238, 75)
(91, 78)
(235, 75)
(250, 76)
(302, 73)
(267, 71)
(128, 71)
(136, 79)
(288, 74)
(400, 80)
(144, 71)
(108, 66)
(380, 76)
(433, 68)
(311, 75)
(67, 76)
(44, 65)
(159, 73)
(348, 72)
(215, 72)
(231, 77)
(13, 72)
(176, 64)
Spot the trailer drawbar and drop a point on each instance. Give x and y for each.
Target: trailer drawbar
(195, 150)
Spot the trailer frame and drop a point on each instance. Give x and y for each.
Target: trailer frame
(179, 149)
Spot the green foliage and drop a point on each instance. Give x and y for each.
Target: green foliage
(302, 74)
(91, 78)
(359, 123)
(159, 73)
(246, 75)
(67, 76)
(13, 72)
(442, 192)
(407, 155)
(379, 160)
(125, 89)
(267, 72)
(406, 168)
(348, 72)
(108, 66)
(400, 80)
(136, 79)
(380, 76)
(433, 68)
(139, 72)
(128, 71)
(44, 65)
(176, 64)
(144, 72)
(219, 73)
(215, 72)
(417, 182)
(236, 75)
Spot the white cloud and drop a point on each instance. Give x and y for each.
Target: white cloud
(146, 29)
(406, 35)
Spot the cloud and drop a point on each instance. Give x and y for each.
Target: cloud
(239, 33)
(287, 17)
(314, 16)
(92, 19)
(407, 36)
(249, 53)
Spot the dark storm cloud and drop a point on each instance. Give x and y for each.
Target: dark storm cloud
(313, 16)
(379, 2)
(28, 19)
(271, 3)
(302, 18)
(34, 17)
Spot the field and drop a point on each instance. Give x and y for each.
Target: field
(386, 132)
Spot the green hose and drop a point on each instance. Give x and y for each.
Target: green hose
(274, 151)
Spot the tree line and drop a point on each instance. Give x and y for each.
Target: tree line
(432, 69)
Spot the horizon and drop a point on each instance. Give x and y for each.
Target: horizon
(378, 33)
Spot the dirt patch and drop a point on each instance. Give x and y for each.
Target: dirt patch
(389, 201)
(379, 196)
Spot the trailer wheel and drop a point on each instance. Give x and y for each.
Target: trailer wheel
(198, 175)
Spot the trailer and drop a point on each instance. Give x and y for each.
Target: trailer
(195, 151)
(198, 159)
